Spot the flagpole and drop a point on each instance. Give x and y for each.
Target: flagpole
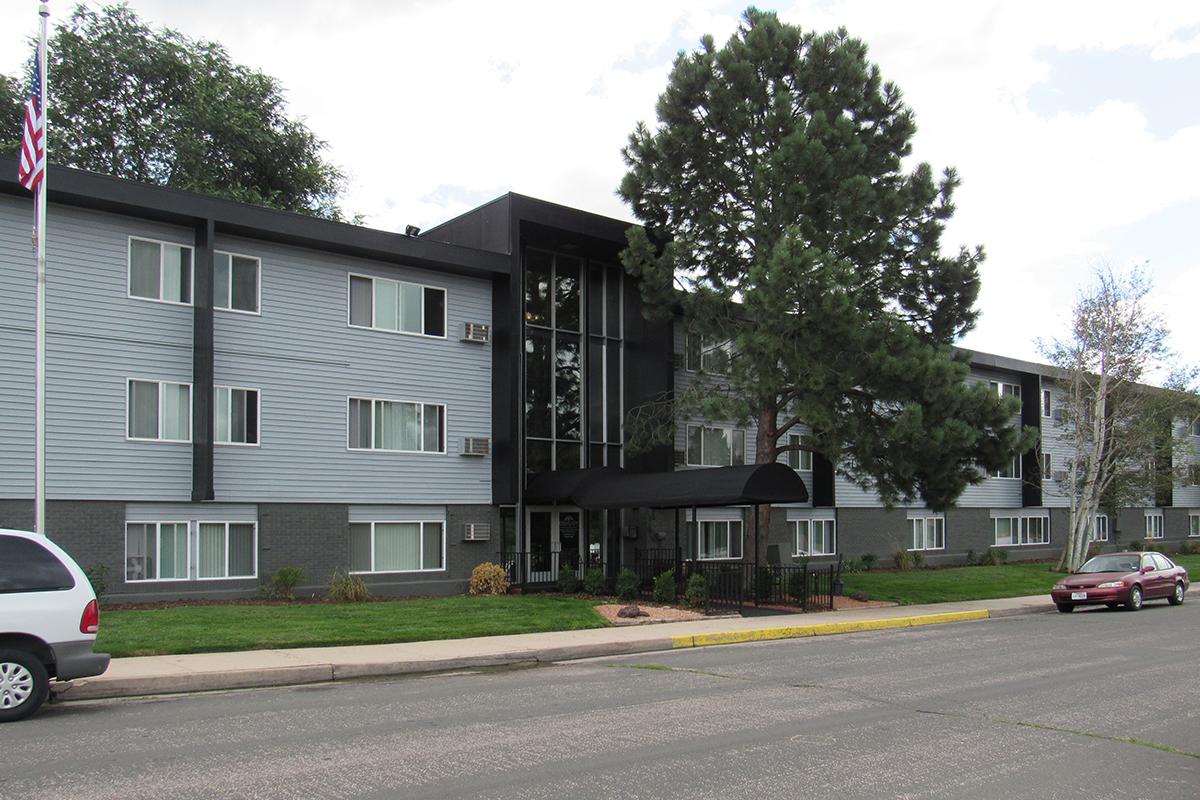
(39, 510)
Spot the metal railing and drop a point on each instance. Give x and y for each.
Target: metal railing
(544, 567)
(733, 584)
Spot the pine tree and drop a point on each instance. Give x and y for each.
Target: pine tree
(773, 193)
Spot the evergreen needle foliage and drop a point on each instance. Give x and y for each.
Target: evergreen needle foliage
(773, 193)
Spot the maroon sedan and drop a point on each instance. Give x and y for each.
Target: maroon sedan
(1116, 578)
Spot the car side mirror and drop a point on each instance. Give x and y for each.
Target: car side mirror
(1147, 568)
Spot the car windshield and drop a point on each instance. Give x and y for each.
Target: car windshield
(1118, 563)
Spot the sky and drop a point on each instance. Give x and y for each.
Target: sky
(1075, 126)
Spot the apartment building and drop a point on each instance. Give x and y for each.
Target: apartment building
(232, 390)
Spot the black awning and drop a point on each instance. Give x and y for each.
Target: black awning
(753, 484)
(561, 486)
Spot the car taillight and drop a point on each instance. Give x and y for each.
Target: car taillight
(90, 621)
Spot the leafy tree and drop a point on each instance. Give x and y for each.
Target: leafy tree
(155, 106)
(1127, 441)
(773, 193)
(12, 114)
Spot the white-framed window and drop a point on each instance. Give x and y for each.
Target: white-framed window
(160, 271)
(927, 533)
(719, 539)
(156, 551)
(397, 306)
(708, 356)
(1100, 528)
(1047, 407)
(1005, 389)
(1194, 524)
(1154, 525)
(235, 415)
(815, 537)
(1047, 466)
(226, 550)
(1010, 470)
(395, 426)
(158, 411)
(402, 546)
(1196, 427)
(715, 447)
(800, 460)
(237, 282)
(1018, 531)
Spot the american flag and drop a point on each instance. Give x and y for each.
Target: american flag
(32, 166)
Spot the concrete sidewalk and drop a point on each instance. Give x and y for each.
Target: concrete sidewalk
(146, 675)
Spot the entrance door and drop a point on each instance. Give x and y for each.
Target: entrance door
(553, 541)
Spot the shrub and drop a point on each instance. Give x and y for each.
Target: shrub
(627, 585)
(851, 566)
(796, 586)
(489, 578)
(971, 557)
(568, 581)
(664, 587)
(993, 557)
(594, 582)
(696, 593)
(903, 559)
(347, 588)
(1190, 548)
(868, 561)
(918, 560)
(97, 575)
(284, 583)
(1152, 547)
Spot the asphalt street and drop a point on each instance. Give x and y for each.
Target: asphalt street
(1094, 704)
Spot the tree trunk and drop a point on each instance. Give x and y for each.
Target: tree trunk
(765, 453)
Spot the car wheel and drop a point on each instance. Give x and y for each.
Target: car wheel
(1065, 608)
(1135, 599)
(1176, 597)
(24, 684)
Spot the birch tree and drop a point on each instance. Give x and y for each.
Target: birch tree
(1122, 433)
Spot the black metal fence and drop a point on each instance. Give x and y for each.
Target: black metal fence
(733, 584)
(544, 567)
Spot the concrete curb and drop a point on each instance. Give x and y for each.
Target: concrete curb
(324, 673)
(824, 629)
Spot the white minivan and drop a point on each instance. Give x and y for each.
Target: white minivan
(48, 622)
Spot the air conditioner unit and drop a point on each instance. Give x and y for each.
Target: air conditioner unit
(476, 332)
(476, 446)
(1060, 475)
(1059, 415)
(476, 531)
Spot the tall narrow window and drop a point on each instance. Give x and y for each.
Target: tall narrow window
(1047, 466)
(235, 282)
(236, 415)
(159, 411)
(1046, 409)
(798, 459)
(160, 271)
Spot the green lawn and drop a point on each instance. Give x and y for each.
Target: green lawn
(217, 628)
(968, 583)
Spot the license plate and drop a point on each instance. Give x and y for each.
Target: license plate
(1079, 595)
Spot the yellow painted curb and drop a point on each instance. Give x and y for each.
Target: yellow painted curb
(823, 629)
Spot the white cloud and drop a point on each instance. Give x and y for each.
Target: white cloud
(433, 106)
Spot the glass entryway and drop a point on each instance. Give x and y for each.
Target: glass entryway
(553, 540)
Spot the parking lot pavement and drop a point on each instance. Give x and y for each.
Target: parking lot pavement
(1092, 704)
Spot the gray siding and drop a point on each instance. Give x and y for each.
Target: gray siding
(683, 381)
(993, 492)
(305, 360)
(300, 353)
